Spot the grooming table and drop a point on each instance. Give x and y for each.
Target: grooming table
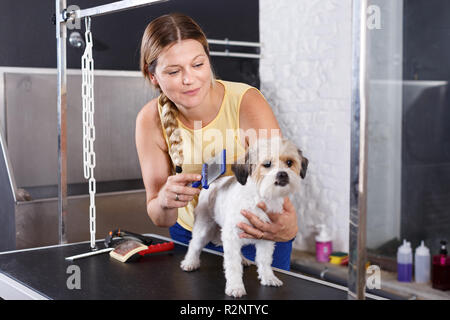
(42, 273)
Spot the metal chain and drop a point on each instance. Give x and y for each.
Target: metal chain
(87, 73)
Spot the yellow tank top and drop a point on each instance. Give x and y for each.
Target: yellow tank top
(202, 143)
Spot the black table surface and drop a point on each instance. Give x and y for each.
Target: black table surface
(155, 276)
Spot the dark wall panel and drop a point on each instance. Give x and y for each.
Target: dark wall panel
(426, 123)
(28, 37)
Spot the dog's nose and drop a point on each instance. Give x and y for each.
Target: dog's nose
(282, 175)
(282, 178)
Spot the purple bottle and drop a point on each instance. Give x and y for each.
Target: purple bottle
(404, 262)
(441, 269)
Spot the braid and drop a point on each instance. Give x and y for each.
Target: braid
(169, 114)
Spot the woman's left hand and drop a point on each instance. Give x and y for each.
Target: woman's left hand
(283, 226)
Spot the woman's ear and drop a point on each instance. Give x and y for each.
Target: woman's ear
(153, 79)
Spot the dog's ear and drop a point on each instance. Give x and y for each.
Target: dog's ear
(242, 170)
(304, 164)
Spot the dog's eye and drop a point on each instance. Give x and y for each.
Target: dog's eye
(267, 164)
(289, 163)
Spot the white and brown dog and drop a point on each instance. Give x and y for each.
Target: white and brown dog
(271, 171)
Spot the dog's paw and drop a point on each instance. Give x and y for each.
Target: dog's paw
(271, 281)
(236, 291)
(189, 265)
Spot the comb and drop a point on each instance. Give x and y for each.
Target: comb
(211, 170)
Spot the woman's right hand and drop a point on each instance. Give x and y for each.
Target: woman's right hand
(176, 192)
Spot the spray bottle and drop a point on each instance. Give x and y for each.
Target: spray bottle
(422, 264)
(323, 244)
(404, 262)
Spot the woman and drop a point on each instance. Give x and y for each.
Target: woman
(174, 130)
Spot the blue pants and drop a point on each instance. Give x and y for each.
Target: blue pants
(281, 255)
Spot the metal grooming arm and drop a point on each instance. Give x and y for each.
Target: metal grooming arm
(62, 17)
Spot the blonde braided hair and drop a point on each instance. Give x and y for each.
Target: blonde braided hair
(169, 113)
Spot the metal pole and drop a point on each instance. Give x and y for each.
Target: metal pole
(227, 53)
(62, 16)
(112, 7)
(61, 34)
(358, 183)
(234, 43)
(235, 54)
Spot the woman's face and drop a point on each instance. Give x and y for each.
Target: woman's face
(183, 73)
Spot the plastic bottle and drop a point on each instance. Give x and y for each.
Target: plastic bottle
(441, 269)
(422, 264)
(324, 245)
(404, 262)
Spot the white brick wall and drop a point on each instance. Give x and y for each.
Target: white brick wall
(305, 73)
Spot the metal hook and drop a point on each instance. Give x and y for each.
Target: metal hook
(87, 21)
